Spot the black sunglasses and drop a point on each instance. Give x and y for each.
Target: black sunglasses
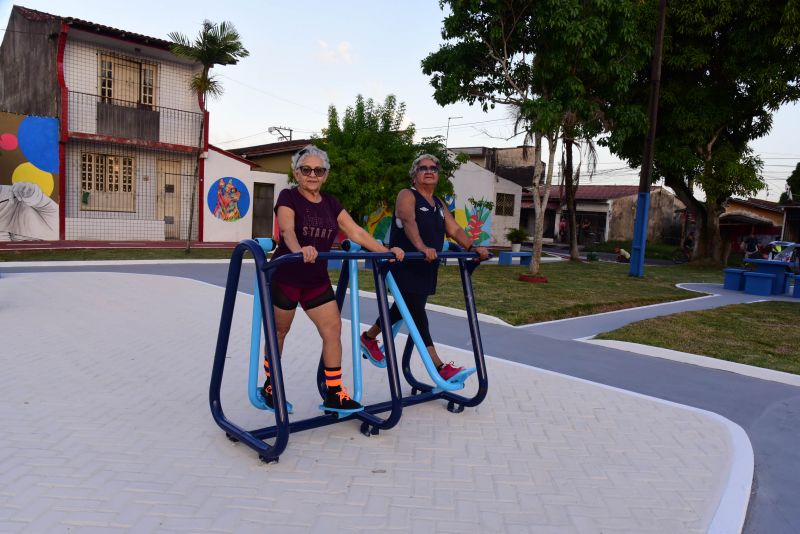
(425, 168)
(319, 172)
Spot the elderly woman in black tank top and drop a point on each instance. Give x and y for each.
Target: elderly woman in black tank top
(420, 224)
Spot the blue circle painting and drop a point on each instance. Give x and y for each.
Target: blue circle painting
(228, 199)
(38, 141)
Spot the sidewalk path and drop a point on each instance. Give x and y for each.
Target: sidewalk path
(107, 428)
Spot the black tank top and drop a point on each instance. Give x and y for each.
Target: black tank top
(419, 276)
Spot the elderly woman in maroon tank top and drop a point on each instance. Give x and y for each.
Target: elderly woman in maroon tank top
(309, 220)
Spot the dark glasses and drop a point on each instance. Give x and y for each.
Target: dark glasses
(319, 172)
(425, 168)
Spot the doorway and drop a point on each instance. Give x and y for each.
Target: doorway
(263, 197)
(168, 194)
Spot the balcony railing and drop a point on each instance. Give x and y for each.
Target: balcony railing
(96, 115)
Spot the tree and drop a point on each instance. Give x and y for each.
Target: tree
(553, 61)
(793, 187)
(371, 153)
(728, 65)
(216, 44)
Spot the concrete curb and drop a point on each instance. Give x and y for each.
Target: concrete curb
(702, 361)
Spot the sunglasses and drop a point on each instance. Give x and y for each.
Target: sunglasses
(319, 172)
(424, 168)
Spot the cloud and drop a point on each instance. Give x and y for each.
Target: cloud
(338, 54)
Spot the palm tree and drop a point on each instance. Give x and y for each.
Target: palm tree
(216, 44)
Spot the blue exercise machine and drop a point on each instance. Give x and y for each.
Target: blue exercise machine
(263, 317)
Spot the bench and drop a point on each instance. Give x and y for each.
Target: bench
(734, 279)
(524, 257)
(796, 290)
(758, 283)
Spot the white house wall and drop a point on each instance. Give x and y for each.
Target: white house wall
(503, 224)
(473, 181)
(140, 224)
(219, 166)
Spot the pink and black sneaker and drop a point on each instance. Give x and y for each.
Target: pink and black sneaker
(449, 370)
(371, 351)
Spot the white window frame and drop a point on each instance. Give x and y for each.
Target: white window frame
(114, 70)
(107, 182)
(501, 207)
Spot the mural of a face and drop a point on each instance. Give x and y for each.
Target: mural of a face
(229, 199)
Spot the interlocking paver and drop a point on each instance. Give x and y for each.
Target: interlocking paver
(106, 426)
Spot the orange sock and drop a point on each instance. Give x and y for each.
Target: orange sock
(333, 377)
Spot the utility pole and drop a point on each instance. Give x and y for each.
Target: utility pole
(645, 177)
(447, 135)
(281, 132)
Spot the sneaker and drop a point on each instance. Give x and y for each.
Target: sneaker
(266, 392)
(449, 370)
(372, 348)
(338, 399)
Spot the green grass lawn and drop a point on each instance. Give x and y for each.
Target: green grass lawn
(763, 334)
(573, 289)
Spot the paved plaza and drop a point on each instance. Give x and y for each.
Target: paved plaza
(106, 427)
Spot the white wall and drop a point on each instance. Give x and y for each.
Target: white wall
(220, 165)
(502, 224)
(473, 181)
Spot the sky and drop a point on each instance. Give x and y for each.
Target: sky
(308, 55)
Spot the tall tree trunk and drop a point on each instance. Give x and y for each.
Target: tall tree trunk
(196, 174)
(541, 196)
(570, 188)
(711, 240)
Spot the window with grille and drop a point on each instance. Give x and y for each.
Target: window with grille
(504, 204)
(127, 82)
(107, 182)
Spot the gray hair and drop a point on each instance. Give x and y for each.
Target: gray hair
(415, 165)
(310, 150)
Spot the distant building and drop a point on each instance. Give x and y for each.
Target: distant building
(609, 210)
(105, 122)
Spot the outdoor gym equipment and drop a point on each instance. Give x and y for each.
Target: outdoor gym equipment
(263, 317)
(371, 424)
(442, 388)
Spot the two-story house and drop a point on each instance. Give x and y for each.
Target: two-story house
(132, 137)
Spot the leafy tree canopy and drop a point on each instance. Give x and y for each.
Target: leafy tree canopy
(371, 152)
(555, 61)
(215, 44)
(728, 65)
(793, 184)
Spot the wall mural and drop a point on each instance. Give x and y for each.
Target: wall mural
(475, 218)
(228, 199)
(29, 193)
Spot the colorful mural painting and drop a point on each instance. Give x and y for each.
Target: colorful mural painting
(229, 200)
(29, 192)
(475, 218)
(379, 222)
(479, 220)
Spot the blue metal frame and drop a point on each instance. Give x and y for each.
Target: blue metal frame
(639, 235)
(371, 424)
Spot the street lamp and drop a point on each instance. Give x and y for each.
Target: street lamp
(280, 130)
(447, 135)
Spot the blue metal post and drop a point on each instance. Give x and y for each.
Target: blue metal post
(639, 235)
